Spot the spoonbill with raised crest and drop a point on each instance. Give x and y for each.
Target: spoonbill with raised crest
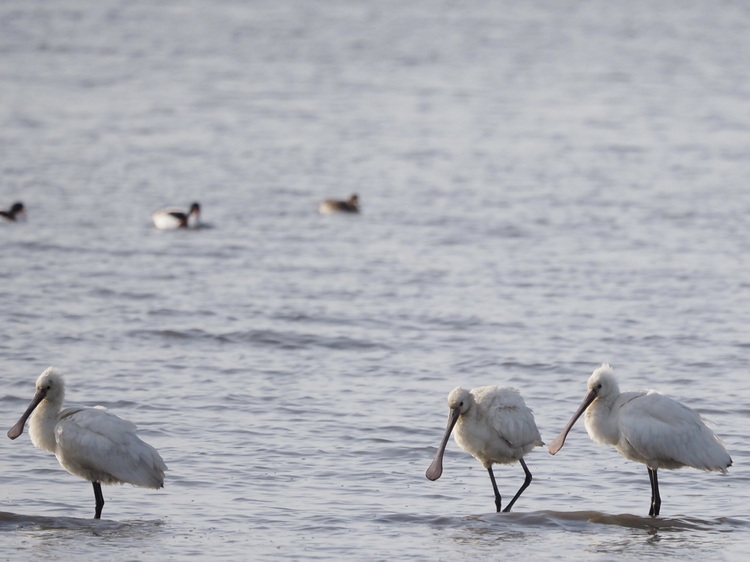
(494, 425)
(646, 427)
(89, 442)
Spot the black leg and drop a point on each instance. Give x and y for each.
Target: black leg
(99, 500)
(655, 497)
(525, 485)
(498, 499)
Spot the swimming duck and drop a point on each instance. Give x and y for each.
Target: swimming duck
(170, 218)
(329, 206)
(11, 214)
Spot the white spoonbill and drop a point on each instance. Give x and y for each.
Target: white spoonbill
(647, 427)
(492, 424)
(171, 218)
(89, 442)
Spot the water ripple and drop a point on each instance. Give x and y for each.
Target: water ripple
(267, 338)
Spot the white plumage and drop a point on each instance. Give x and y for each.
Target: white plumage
(646, 427)
(495, 426)
(89, 442)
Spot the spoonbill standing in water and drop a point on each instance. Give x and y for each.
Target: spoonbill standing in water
(646, 427)
(495, 426)
(89, 442)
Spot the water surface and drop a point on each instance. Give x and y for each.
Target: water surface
(545, 186)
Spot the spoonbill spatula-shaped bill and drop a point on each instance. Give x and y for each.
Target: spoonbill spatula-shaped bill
(646, 427)
(495, 426)
(89, 442)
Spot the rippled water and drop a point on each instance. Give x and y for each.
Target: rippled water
(545, 186)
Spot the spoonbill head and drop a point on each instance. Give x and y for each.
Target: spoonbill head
(495, 426)
(646, 427)
(89, 442)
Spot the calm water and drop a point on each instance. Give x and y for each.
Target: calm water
(545, 186)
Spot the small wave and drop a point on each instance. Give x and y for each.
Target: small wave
(21, 522)
(571, 521)
(177, 335)
(582, 520)
(298, 340)
(270, 338)
(106, 292)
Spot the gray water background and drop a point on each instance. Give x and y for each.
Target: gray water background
(545, 186)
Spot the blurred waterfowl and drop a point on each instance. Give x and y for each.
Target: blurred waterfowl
(350, 205)
(89, 442)
(646, 427)
(16, 211)
(495, 426)
(170, 218)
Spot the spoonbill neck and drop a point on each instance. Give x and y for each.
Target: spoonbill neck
(42, 425)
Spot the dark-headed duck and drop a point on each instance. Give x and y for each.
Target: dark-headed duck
(14, 212)
(351, 205)
(170, 218)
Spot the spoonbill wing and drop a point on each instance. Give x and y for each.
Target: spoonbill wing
(99, 446)
(513, 420)
(669, 434)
